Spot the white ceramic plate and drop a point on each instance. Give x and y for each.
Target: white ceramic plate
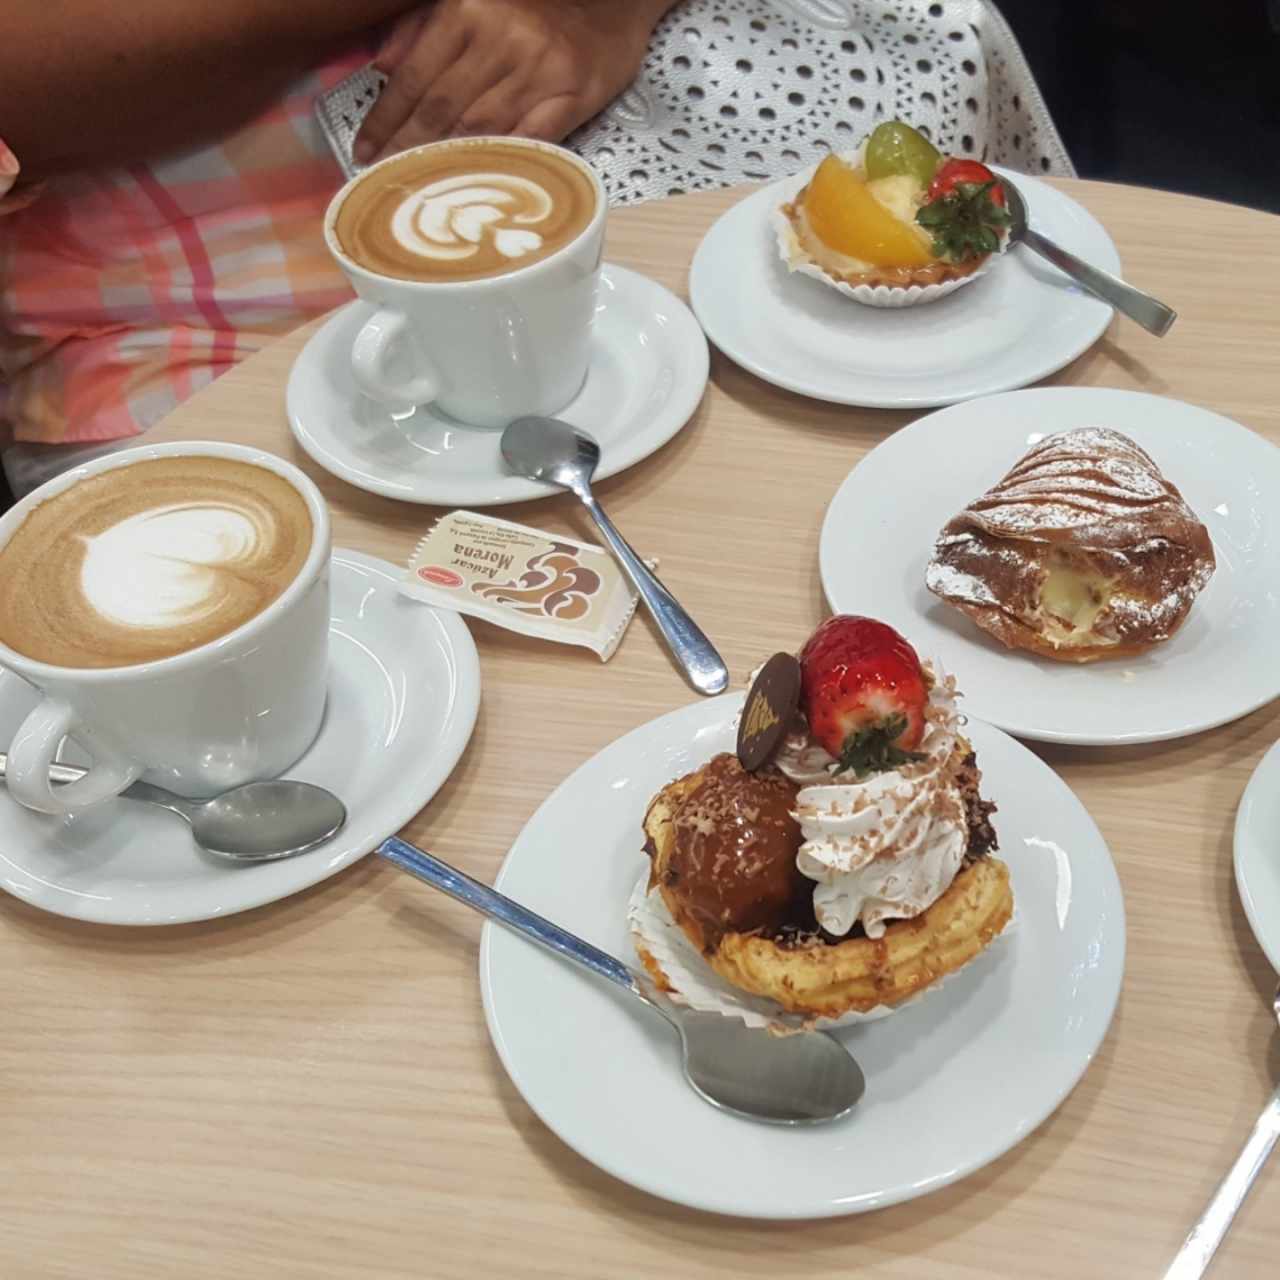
(404, 686)
(953, 1082)
(647, 376)
(1022, 321)
(1257, 854)
(879, 533)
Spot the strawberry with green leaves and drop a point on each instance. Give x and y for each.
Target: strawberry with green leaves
(964, 210)
(864, 694)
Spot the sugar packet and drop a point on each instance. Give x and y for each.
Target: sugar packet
(539, 584)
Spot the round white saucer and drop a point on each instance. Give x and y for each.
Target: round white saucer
(1257, 861)
(952, 1082)
(1022, 321)
(404, 686)
(879, 531)
(648, 372)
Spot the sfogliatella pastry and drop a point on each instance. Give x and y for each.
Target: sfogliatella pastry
(1083, 551)
(895, 214)
(852, 867)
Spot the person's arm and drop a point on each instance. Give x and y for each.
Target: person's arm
(534, 67)
(83, 84)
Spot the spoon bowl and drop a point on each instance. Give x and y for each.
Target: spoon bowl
(265, 821)
(808, 1078)
(550, 450)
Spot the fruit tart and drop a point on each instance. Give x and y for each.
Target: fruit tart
(849, 864)
(895, 222)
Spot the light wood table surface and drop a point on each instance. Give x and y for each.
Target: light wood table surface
(308, 1090)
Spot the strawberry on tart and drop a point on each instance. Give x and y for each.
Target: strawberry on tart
(842, 860)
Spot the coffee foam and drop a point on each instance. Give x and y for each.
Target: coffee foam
(149, 560)
(465, 211)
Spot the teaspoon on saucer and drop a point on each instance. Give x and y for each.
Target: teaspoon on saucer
(552, 451)
(256, 822)
(1142, 308)
(807, 1078)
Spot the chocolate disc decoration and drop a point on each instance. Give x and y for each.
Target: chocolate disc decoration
(768, 711)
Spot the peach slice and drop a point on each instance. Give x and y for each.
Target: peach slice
(846, 217)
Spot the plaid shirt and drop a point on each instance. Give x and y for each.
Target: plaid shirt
(124, 291)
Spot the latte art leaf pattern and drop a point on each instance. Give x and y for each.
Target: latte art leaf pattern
(466, 210)
(449, 219)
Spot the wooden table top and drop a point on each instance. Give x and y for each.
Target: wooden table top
(308, 1090)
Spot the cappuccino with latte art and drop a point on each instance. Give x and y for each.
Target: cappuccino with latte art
(467, 210)
(143, 562)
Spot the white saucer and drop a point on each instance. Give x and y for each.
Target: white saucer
(952, 1082)
(404, 686)
(1022, 321)
(1257, 857)
(879, 532)
(647, 376)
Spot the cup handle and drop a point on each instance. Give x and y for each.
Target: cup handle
(34, 749)
(375, 344)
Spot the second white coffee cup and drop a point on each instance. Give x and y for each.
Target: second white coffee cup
(242, 707)
(488, 350)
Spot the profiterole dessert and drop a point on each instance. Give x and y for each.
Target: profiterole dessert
(846, 863)
(895, 214)
(1082, 551)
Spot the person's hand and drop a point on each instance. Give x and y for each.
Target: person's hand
(535, 68)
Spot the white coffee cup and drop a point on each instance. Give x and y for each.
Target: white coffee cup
(483, 351)
(242, 707)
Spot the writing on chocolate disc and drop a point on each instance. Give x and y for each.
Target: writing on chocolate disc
(769, 710)
(758, 718)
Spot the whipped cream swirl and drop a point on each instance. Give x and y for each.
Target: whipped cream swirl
(888, 846)
(160, 568)
(448, 219)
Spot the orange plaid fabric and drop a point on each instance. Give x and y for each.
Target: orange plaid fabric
(124, 291)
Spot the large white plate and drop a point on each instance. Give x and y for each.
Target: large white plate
(879, 533)
(404, 686)
(1257, 854)
(648, 372)
(953, 1082)
(1022, 321)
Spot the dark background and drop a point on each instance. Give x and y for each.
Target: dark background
(1179, 95)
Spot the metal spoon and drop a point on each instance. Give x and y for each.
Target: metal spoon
(1140, 307)
(550, 450)
(256, 822)
(1199, 1247)
(792, 1080)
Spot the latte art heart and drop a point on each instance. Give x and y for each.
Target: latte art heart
(167, 567)
(148, 560)
(449, 219)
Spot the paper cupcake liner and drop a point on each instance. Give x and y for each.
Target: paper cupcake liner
(880, 295)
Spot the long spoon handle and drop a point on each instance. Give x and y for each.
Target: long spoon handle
(1142, 308)
(1199, 1247)
(498, 907)
(142, 791)
(693, 651)
(57, 772)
